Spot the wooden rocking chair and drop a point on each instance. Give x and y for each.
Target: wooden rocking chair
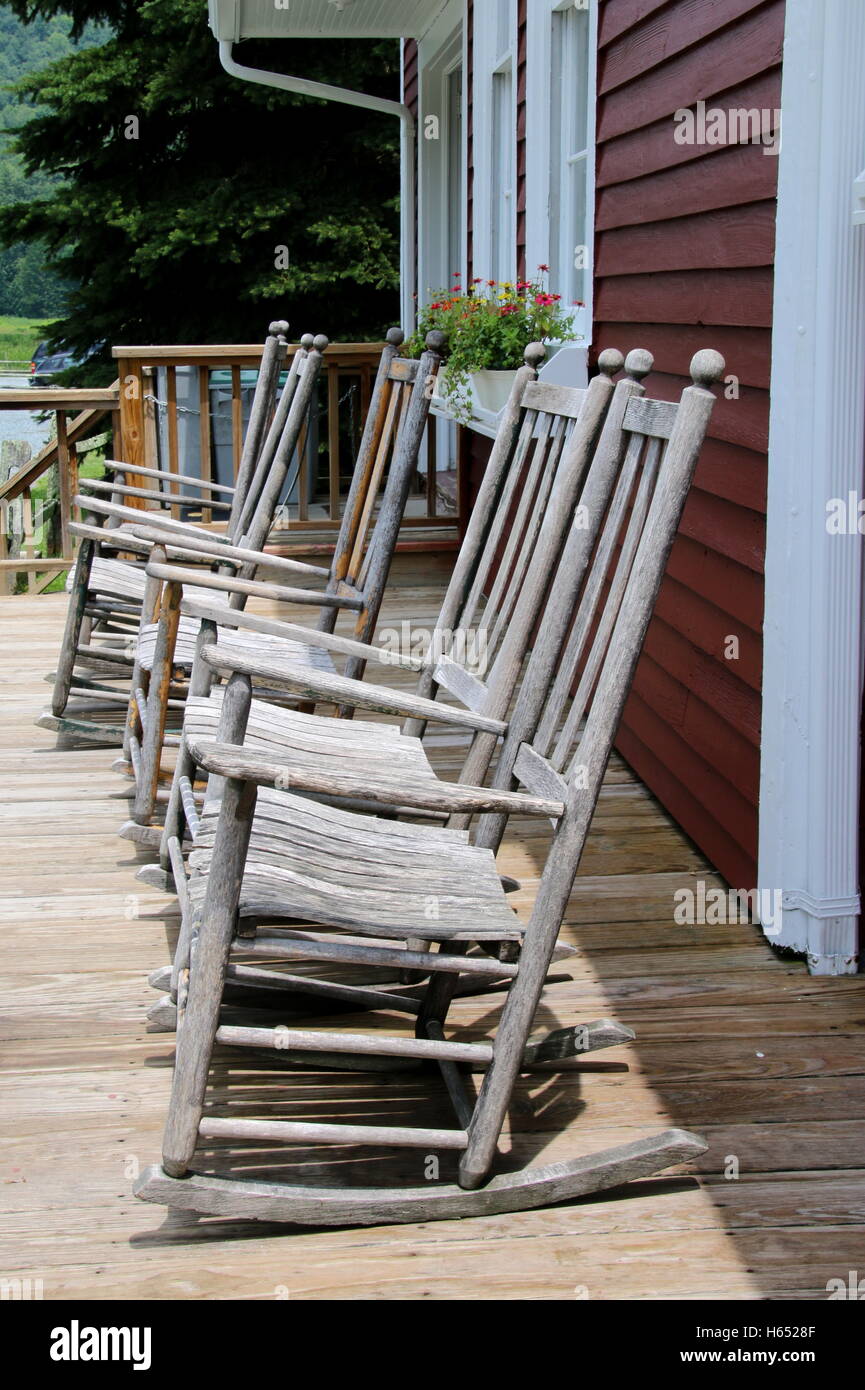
(356, 579)
(107, 592)
(537, 476)
(352, 874)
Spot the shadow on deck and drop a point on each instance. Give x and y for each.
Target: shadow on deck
(746, 1049)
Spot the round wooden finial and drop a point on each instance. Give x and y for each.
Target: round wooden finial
(307, 341)
(278, 326)
(638, 363)
(534, 355)
(395, 337)
(435, 340)
(707, 367)
(610, 361)
(320, 342)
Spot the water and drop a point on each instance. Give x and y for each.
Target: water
(23, 424)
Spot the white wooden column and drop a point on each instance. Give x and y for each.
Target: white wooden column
(812, 679)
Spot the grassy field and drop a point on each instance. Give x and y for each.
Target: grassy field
(18, 337)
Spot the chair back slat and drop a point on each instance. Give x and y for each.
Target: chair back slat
(558, 430)
(404, 422)
(562, 685)
(465, 614)
(634, 571)
(617, 580)
(263, 398)
(275, 431)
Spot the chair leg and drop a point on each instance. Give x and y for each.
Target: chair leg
(72, 630)
(200, 1017)
(200, 683)
(512, 1034)
(157, 706)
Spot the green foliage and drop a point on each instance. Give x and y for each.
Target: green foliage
(18, 337)
(27, 286)
(488, 327)
(174, 235)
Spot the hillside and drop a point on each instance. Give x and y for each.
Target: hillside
(26, 287)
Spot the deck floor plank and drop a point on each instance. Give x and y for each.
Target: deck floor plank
(733, 1041)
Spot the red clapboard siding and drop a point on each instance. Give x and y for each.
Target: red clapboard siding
(736, 53)
(745, 350)
(711, 296)
(646, 45)
(726, 238)
(410, 75)
(732, 178)
(684, 253)
(703, 824)
(735, 590)
(648, 150)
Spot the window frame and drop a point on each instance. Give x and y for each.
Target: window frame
(539, 183)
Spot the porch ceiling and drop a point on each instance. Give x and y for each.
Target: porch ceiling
(233, 20)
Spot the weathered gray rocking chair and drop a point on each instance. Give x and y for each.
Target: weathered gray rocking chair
(355, 581)
(532, 485)
(347, 872)
(106, 592)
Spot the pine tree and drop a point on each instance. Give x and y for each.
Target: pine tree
(194, 207)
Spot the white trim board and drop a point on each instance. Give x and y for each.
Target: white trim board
(812, 673)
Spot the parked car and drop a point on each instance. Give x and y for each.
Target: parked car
(46, 365)
(43, 370)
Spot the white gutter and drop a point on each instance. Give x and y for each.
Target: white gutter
(304, 87)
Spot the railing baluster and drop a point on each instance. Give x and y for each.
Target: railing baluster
(131, 373)
(303, 474)
(28, 547)
(431, 466)
(63, 485)
(333, 438)
(204, 435)
(173, 443)
(236, 420)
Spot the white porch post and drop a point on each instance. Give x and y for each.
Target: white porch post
(812, 679)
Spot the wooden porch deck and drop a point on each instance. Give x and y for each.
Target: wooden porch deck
(767, 1063)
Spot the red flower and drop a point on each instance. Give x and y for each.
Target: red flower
(543, 267)
(492, 283)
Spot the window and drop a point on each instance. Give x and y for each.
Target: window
(494, 229)
(502, 213)
(569, 155)
(560, 119)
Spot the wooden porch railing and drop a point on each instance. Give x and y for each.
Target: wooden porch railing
(183, 408)
(152, 411)
(78, 413)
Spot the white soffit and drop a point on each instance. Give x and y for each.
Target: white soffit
(234, 20)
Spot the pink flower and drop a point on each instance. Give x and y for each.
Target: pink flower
(545, 300)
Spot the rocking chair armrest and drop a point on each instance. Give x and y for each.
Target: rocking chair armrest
(254, 588)
(117, 537)
(118, 466)
(95, 506)
(114, 489)
(221, 551)
(295, 632)
(422, 794)
(326, 687)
